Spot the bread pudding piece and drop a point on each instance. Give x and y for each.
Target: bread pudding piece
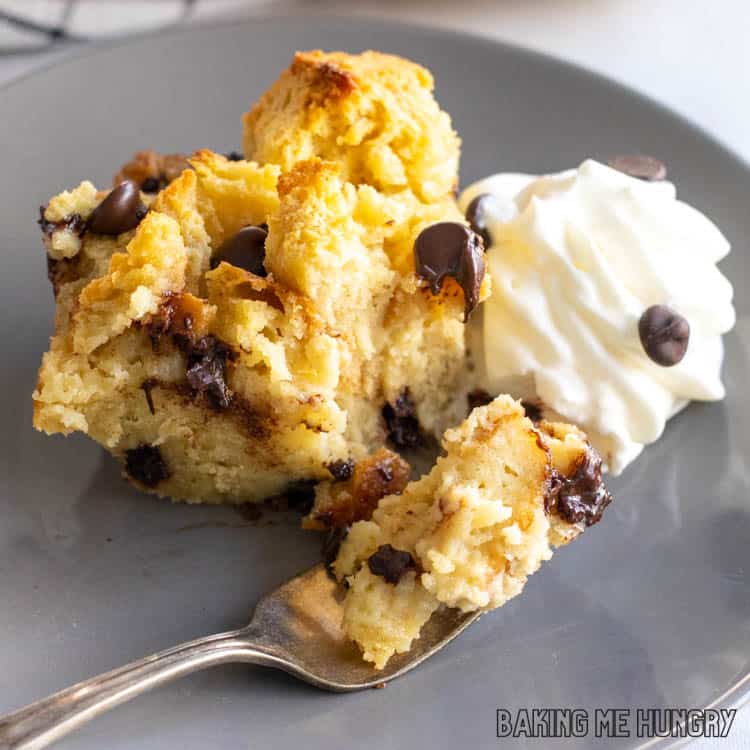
(152, 171)
(469, 533)
(373, 114)
(356, 489)
(252, 326)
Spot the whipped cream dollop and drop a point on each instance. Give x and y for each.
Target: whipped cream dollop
(576, 258)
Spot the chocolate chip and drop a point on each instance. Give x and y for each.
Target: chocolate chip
(478, 397)
(206, 369)
(247, 249)
(73, 223)
(146, 465)
(581, 496)
(402, 423)
(234, 156)
(640, 166)
(451, 249)
(151, 185)
(476, 215)
(341, 470)
(119, 212)
(390, 563)
(664, 334)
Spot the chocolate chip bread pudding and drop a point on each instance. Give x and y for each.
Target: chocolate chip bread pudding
(469, 533)
(293, 319)
(258, 321)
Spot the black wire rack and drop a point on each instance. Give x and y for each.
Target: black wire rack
(46, 35)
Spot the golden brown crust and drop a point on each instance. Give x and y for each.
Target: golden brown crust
(373, 114)
(326, 76)
(149, 164)
(340, 504)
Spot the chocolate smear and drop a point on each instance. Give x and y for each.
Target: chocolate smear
(581, 496)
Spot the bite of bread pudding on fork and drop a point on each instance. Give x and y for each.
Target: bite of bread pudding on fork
(505, 493)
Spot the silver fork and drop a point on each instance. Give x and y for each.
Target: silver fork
(296, 628)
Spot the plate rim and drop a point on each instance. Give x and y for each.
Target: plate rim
(70, 52)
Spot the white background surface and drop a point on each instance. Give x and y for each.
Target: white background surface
(692, 55)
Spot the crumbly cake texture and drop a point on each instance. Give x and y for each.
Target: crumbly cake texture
(469, 533)
(211, 383)
(373, 114)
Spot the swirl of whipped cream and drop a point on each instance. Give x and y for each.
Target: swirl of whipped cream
(575, 259)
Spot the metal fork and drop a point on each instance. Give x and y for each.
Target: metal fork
(296, 628)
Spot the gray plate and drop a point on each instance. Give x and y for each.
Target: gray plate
(651, 608)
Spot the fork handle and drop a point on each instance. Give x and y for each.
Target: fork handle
(47, 720)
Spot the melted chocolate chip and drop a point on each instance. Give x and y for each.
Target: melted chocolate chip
(581, 496)
(234, 156)
(664, 334)
(72, 223)
(451, 249)
(119, 212)
(478, 397)
(146, 465)
(640, 166)
(402, 423)
(341, 470)
(206, 369)
(390, 563)
(476, 215)
(151, 185)
(247, 249)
